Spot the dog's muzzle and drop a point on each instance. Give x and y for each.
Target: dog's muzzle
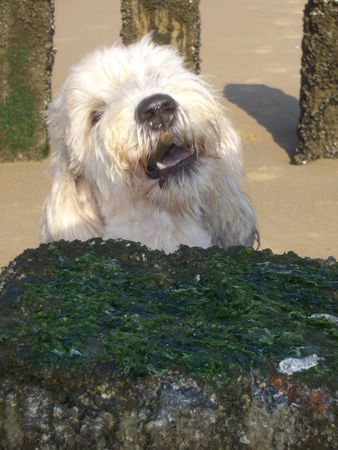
(157, 112)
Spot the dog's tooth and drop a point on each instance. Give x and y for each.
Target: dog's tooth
(160, 165)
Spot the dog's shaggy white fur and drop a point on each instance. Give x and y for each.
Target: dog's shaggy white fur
(142, 150)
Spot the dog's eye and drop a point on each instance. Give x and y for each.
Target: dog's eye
(95, 116)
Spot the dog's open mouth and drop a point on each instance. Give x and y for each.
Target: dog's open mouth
(169, 158)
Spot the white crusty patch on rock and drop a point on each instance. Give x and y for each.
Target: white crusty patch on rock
(329, 317)
(292, 365)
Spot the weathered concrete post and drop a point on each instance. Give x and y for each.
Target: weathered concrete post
(202, 348)
(176, 22)
(317, 127)
(26, 60)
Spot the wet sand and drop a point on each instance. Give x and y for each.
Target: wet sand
(251, 53)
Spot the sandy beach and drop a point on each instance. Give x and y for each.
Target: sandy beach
(251, 52)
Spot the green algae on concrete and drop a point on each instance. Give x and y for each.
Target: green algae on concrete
(206, 312)
(176, 23)
(26, 60)
(117, 346)
(317, 126)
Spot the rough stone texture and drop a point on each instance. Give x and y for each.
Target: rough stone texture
(176, 22)
(317, 127)
(26, 60)
(106, 345)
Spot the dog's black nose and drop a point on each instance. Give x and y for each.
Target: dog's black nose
(157, 111)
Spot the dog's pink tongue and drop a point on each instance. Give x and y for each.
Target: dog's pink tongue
(174, 156)
(170, 160)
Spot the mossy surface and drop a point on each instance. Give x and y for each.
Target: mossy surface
(174, 23)
(208, 313)
(26, 59)
(18, 110)
(109, 345)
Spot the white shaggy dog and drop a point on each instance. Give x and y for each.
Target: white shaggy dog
(142, 150)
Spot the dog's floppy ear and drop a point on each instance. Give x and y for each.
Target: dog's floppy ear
(231, 224)
(70, 211)
(227, 212)
(228, 215)
(72, 117)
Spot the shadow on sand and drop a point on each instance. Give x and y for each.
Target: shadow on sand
(276, 111)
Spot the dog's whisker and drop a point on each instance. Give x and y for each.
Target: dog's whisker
(215, 157)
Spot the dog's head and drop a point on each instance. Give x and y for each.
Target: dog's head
(137, 117)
